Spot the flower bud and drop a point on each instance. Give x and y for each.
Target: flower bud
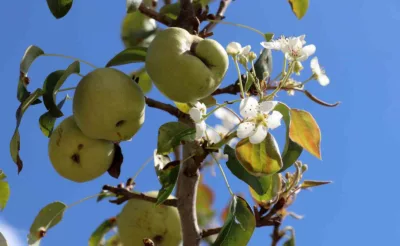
(298, 67)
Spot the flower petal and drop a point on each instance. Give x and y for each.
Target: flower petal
(200, 130)
(267, 106)
(323, 79)
(274, 120)
(273, 45)
(249, 107)
(309, 50)
(195, 114)
(212, 135)
(233, 48)
(246, 129)
(221, 129)
(259, 135)
(245, 51)
(229, 120)
(314, 64)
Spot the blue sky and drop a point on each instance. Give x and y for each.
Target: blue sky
(356, 43)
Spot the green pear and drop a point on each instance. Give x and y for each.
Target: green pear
(138, 30)
(77, 157)
(108, 105)
(184, 67)
(141, 219)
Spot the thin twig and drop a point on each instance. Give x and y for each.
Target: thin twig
(174, 111)
(313, 98)
(155, 15)
(223, 5)
(209, 232)
(126, 195)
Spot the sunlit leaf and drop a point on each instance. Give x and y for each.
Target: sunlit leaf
(305, 131)
(4, 194)
(48, 217)
(160, 161)
(299, 7)
(143, 79)
(292, 240)
(15, 140)
(47, 121)
(113, 241)
(171, 10)
(101, 231)
(168, 177)
(291, 151)
(240, 172)
(3, 241)
(272, 184)
(59, 8)
(259, 159)
(53, 83)
(31, 53)
(171, 134)
(313, 183)
(2, 175)
(239, 225)
(129, 55)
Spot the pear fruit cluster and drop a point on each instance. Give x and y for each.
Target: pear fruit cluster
(185, 67)
(142, 219)
(108, 107)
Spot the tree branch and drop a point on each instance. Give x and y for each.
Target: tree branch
(126, 195)
(187, 18)
(209, 232)
(174, 111)
(223, 5)
(155, 15)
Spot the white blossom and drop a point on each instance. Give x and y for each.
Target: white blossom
(292, 47)
(318, 72)
(196, 113)
(236, 49)
(258, 118)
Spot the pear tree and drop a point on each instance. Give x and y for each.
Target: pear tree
(180, 58)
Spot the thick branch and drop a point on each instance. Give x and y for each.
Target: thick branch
(223, 5)
(166, 107)
(126, 195)
(187, 18)
(155, 15)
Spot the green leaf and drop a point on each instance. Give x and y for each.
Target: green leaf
(313, 183)
(171, 134)
(59, 8)
(132, 5)
(104, 195)
(101, 231)
(2, 175)
(3, 241)
(167, 177)
(31, 53)
(259, 159)
(47, 121)
(249, 82)
(48, 217)
(299, 7)
(292, 150)
(241, 173)
(143, 79)
(114, 240)
(209, 101)
(160, 161)
(15, 140)
(268, 36)
(239, 225)
(53, 83)
(4, 194)
(272, 185)
(292, 240)
(263, 64)
(305, 131)
(171, 10)
(129, 55)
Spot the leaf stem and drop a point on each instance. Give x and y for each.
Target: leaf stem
(223, 174)
(239, 25)
(220, 106)
(240, 76)
(82, 200)
(72, 58)
(142, 167)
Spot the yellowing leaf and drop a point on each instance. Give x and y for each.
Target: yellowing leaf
(259, 159)
(184, 107)
(299, 7)
(305, 131)
(272, 184)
